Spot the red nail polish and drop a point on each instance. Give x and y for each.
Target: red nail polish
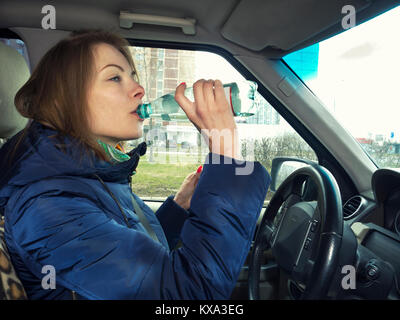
(182, 83)
(199, 169)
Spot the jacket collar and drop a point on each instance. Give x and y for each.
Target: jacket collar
(42, 156)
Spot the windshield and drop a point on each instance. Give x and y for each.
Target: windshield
(356, 76)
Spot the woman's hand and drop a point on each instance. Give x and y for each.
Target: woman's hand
(212, 115)
(185, 192)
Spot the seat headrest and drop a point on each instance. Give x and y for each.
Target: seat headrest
(14, 73)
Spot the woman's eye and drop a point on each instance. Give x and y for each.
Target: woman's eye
(116, 79)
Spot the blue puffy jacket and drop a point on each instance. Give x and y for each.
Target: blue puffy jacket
(57, 213)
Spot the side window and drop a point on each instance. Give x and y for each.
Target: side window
(19, 45)
(176, 148)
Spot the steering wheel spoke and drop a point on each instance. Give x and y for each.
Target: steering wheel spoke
(270, 234)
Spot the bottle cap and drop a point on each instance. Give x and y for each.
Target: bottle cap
(144, 110)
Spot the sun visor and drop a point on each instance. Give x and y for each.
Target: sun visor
(283, 24)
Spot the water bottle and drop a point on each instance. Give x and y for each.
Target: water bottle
(240, 96)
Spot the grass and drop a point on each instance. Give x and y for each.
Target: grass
(163, 177)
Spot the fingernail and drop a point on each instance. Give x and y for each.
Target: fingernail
(184, 83)
(199, 169)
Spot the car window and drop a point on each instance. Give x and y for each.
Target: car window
(175, 148)
(355, 75)
(19, 45)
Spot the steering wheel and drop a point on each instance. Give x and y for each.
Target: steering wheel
(305, 236)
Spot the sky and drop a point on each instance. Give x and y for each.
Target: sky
(218, 69)
(358, 77)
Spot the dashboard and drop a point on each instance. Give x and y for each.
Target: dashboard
(376, 225)
(370, 244)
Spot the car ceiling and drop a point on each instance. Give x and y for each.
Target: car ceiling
(272, 28)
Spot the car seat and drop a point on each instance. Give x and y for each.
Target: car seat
(14, 73)
(11, 287)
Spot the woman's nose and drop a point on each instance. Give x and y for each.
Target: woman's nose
(137, 91)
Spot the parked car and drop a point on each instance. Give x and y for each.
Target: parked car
(329, 228)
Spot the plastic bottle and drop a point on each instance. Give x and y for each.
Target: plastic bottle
(240, 95)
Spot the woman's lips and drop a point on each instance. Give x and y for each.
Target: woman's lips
(137, 116)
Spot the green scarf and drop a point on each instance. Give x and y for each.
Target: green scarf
(115, 154)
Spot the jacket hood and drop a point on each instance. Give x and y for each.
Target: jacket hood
(41, 156)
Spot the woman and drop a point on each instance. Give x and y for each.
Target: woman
(66, 196)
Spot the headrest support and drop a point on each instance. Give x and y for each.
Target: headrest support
(14, 73)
